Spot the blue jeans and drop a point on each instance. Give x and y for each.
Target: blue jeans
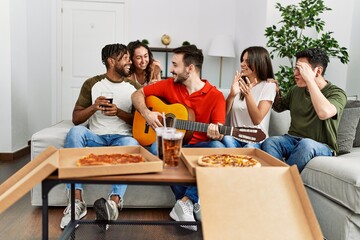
(191, 191)
(295, 150)
(80, 136)
(231, 142)
(182, 190)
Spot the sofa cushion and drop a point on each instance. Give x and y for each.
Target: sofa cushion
(337, 178)
(279, 123)
(347, 129)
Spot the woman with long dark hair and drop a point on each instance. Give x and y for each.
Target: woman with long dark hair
(251, 95)
(144, 69)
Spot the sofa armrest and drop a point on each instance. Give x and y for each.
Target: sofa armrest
(51, 136)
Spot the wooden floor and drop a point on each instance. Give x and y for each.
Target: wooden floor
(23, 221)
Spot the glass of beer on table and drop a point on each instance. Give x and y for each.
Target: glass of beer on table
(172, 142)
(159, 132)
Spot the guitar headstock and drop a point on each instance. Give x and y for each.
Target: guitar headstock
(248, 134)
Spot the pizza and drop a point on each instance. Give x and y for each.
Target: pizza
(109, 159)
(228, 160)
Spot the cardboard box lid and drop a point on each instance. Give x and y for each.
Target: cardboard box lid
(190, 156)
(257, 203)
(27, 177)
(67, 158)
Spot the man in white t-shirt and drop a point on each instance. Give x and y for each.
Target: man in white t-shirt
(109, 124)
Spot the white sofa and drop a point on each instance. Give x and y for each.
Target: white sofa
(333, 184)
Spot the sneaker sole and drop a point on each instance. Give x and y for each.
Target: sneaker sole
(80, 217)
(102, 212)
(175, 217)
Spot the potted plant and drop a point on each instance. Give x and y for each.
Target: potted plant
(145, 41)
(186, 43)
(288, 37)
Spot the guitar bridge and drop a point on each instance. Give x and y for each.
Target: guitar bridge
(249, 130)
(245, 138)
(147, 127)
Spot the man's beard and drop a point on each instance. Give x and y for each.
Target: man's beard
(182, 77)
(122, 72)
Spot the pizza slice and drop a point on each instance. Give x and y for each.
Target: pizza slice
(228, 160)
(109, 159)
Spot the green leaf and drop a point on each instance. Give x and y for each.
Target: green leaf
(287, 37)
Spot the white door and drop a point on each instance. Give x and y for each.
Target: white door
(86, 28)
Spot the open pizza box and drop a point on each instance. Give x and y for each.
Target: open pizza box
(27, 177)
(67, 158)
(64, 161)
(255, 203)
(190, 156)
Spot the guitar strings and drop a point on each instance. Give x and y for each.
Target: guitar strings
(164, 119)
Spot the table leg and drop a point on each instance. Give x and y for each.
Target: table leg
(72, 200)
(46, 186)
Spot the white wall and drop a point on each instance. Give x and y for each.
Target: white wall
(5, 69)
(19, 73)
(337, 72)
(195, 21)
(250, 24)
(28, 48)
(41, 63)
(216, 17)
(353, 71)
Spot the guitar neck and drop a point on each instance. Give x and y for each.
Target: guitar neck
(200, 127)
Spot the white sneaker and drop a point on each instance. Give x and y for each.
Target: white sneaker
(106, 210)
(80, 212)
(183, 211)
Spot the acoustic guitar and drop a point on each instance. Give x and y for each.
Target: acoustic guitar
(182, 118)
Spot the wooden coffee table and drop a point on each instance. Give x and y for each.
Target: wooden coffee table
(169, 176)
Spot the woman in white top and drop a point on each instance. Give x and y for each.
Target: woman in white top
(144, 69)
(251, 94)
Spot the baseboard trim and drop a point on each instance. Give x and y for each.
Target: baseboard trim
(15, 155)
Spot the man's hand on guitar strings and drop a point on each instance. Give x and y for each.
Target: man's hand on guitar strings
(152, 119)
(213, 132)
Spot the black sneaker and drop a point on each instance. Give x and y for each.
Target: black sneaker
(106, 210)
